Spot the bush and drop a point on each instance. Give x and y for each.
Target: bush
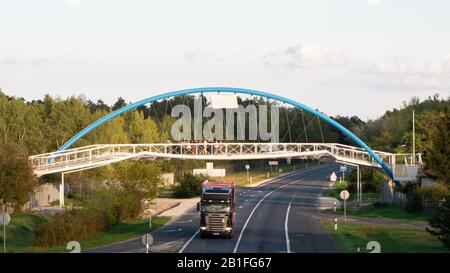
(130, 184)
(130, 205)
(414, 203)
(75, 224)
(341, 185)
(440, 223)
(98, 214)
(379, 205)
(433, 194)
(190, 185)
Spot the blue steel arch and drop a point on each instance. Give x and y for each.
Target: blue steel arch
(129, 107)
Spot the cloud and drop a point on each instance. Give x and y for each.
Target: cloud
(410, 74)
(412, 83)
(38, 61)
(374, 3)
(9, 61)
(305, 56)
(31, 61)
(409, 67)
(197, 55)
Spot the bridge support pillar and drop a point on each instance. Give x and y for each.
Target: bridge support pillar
(61, 191)
(358, 186)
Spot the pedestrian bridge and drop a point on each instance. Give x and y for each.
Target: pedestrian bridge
(404, 166)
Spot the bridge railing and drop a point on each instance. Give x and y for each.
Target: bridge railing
(97, 154)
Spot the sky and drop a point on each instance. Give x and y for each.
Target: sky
(348, 57)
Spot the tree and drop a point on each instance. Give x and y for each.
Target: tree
(17, 182)
(140, 129)
(119, 103)
(440, 223)
(134, 182)
(139, 177)
(437, 147)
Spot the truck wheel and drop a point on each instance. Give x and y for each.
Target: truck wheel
(229, 235)
(202, 234)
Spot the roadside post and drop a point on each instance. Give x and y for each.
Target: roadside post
(147, 240)
(247, 167)
(4, 220)
(273, 163)
(335, 223)
(334, 206)
(343, 169)
(344, 196)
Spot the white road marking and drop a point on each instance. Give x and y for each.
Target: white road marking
(277, 178)
(189, 241)
(184, 221)
(288, 244)
(173, 230)
(246, 222)
(260, 201)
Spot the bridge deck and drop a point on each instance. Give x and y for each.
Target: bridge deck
(99, 155)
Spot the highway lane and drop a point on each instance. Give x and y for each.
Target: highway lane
(270, 218)
(260, 223)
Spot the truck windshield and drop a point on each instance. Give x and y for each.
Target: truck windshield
(216, 208)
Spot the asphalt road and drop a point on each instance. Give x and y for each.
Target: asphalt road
(274, 217)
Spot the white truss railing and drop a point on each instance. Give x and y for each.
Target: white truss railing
(103, 154)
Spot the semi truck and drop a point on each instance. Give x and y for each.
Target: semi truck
(217, 209)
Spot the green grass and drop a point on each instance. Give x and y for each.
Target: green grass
(20, 233)
(117, 233)
(389, 212)
(349, 237)
(124, 231)
(368, 196)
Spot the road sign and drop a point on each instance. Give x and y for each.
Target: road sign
(333, 177)
(343, 168)
(273, 163)
(4, 221)
(247, 167)
(147, 240)
(344, 195)
(4, 218)
(288, 161)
